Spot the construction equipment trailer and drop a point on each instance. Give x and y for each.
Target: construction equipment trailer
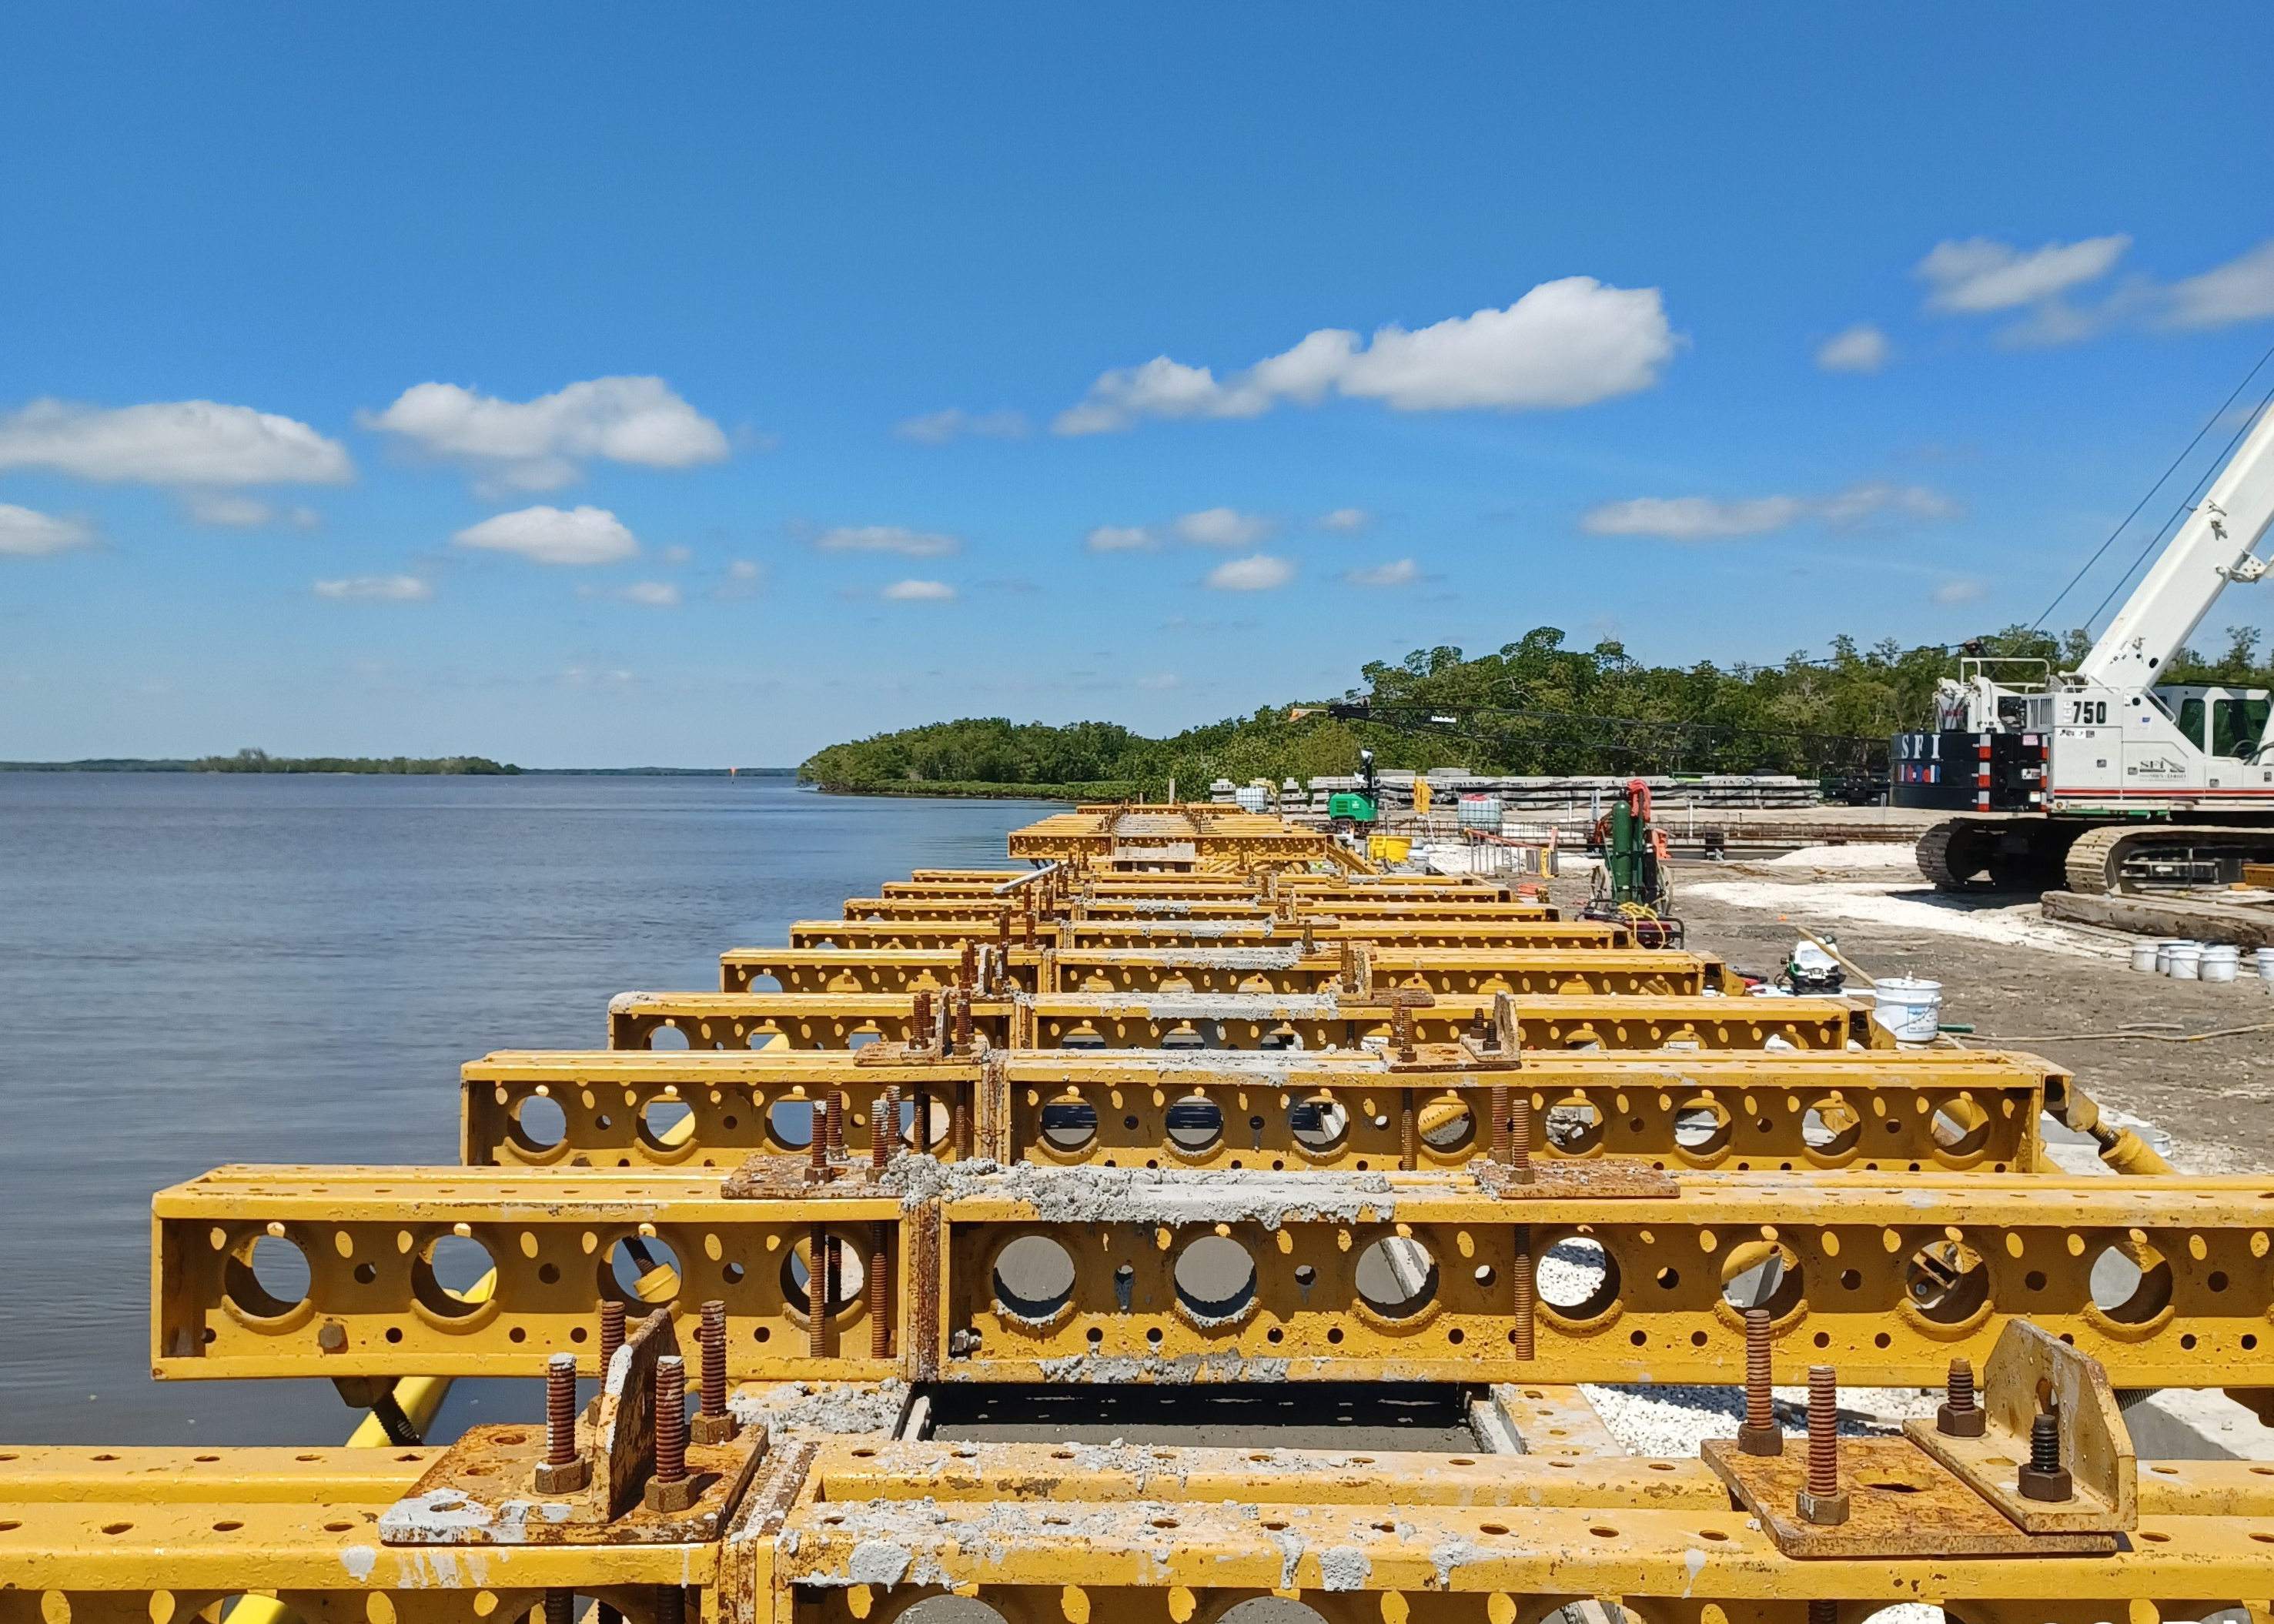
(2107, 778)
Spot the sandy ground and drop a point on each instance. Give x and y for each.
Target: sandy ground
(2022, 980)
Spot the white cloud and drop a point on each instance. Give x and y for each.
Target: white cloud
(378, 588)
(1223, 527)
(172, 442)
(1706, 518)
(920, 592)
(1960, 592)
(554, 535)
(888, 538)
(938, 428)
(1979, 275)
(1349, 520)
(230, 510)
(1565, 344)
(743, 570)
(652, 594)
(1119, 539)
(677, 554)
(1159, 682)
(1403, 572)
(539, 445)
(1861, 349)
(27, 534)
(1259, 573)
(1693, 518)
(2243, 289)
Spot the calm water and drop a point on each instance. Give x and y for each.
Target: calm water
(203, 968)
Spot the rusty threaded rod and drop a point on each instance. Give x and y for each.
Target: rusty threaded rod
(834, 1120)
(1960, 1416)
(963, 1021)
(1519, 1136)
(1519, 1334)
(967, 968)
(1824, 1613)
(561, 1409)
(671, 1605)
(671, 1420)
(920, 1019)
(816, 1128)
(1500, 1123)
(1401, 1029)
(557, 1605)
(880, 1328)
(1759, 1434)
(816, 1315)
(920, 1122)
(883, 1128)
(960, 1127)
(1823, 1429)
(1408, 1138)
(712, 1340)
(1958, 1387)
(611, 1335)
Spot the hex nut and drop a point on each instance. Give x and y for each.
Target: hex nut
(565, 1479)
(702, 1429)
(1760, 1440)
(1824, 1510)
(1968, 1423)
(672, 1496)
(2040, 1483)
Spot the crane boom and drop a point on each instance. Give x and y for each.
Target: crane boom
(2215, 545)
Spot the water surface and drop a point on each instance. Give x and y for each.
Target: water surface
(206, 968)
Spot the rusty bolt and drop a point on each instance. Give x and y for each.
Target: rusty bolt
(1960, 1416)
(562, 1472)
(963, 1019)
(2044, 1478)
(712, 1422)
(611, 1334)
(880, 1326)
(966, 969)
(920, 1122)
(671, 1489)
(1822, 1501)
(1758, 1433)
(833, 1120)
(1500, 1123)
(1521, 1333)
(1401, 1030)
(1519, 1138)
(671, 1605)
(920, 1022)
(883, 1128)
(559, 1607)
(816, 1287)
(1824, 1613)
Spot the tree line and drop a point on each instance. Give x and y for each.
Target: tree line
(1534, 706)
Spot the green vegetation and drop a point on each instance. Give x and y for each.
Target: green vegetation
(1533, 707)
(261, 761)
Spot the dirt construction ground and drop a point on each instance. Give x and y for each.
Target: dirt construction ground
(2024, 981)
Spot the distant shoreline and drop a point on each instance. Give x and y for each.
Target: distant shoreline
(337, 767)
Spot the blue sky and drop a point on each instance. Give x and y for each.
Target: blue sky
(601, 386)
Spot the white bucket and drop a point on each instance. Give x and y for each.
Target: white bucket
(2186, 959)
(2164, 954)
(2143, 954)
(2218, 962)
(2266, 957)
(1909, 1008)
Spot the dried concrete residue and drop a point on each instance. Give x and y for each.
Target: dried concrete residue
(1251, 1006)
(1344, 1567)
(1154, 1195)
(792, 1408)
(1452, 1553)
(1193, 957)
(1277, 1067)
(878, 1561)
(1093, 1369)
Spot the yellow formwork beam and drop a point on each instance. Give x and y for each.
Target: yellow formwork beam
(1881, 1110)
(1326, 1276)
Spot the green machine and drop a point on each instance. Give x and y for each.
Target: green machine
(1349, 810)
(1631, 887)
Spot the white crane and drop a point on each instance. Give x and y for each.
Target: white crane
(2045, 762)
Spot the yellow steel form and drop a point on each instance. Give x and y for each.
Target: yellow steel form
(919, 933)
(1881, 1110)
(1344, 1276)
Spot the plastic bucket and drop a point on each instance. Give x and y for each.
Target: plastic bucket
(2186, 961)
(2266, 957)
(1909, 1008)
(2143, 955)
(2164, 954)
(2219, 961)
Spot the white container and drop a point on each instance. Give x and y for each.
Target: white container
(2219, 961)
(1252, 798)
(2143, 955)
(2186, 961)
(1909, 1008)
(2163, 955)
(1478, 812)
(2266, 957)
